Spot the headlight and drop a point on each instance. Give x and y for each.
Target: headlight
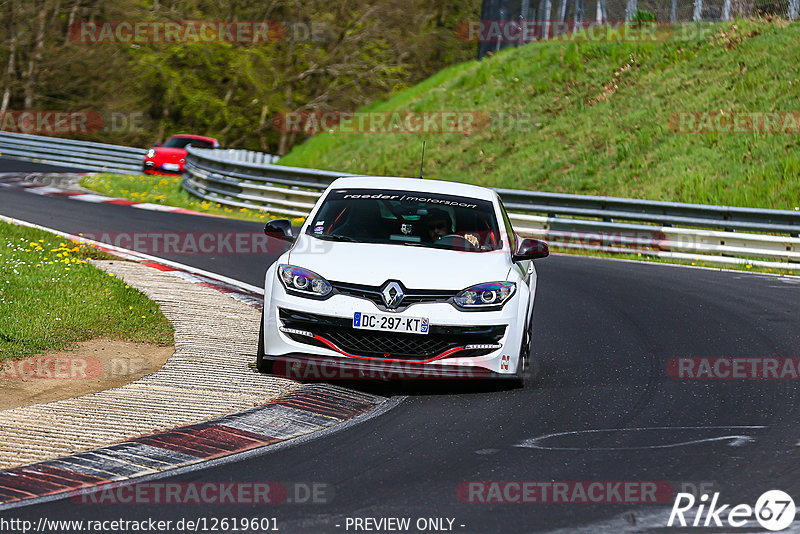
(151, 153)
(488, 295)
(303, 281)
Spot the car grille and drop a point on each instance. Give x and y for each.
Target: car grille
(412, 296)
(390, 345)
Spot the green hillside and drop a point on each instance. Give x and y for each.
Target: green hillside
(604, 118)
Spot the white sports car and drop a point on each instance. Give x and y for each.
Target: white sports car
(403, 277)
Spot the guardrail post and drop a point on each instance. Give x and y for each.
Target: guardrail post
(630, 10)
(697, 14)
(726, 10)
(794, 9)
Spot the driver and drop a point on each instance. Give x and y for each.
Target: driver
(438, 224)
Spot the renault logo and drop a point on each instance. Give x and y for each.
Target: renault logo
(392, 294)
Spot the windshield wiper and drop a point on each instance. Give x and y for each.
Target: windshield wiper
(330, 237)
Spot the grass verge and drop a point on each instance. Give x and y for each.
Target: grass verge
(51, 297)
(167, 190)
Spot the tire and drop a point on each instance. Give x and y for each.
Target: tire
(262, 364)
(524, 360)
(518, 382)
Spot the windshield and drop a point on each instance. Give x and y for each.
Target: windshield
(407, 218)
(181, 142)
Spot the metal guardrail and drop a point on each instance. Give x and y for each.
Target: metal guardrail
(291, 191)
(244, 178)
(720, 234)
(238, 155)
(655, 212)
(70, 153)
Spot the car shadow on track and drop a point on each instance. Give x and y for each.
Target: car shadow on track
(544, 375)
(428, 387)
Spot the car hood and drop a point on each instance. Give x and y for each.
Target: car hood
(416, 267)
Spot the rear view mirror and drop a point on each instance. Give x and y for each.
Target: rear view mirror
(280, 229)
(531, 249)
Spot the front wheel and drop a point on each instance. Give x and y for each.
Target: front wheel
(519, 377)
(262, 364)
(524, 359)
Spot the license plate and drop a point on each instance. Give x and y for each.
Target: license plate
(171, 167)
(390, 323)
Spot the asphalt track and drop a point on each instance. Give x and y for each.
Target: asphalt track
(604, 333)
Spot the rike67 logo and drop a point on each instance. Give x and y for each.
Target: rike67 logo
(774, 510)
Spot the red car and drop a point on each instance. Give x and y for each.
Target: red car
(170, 157)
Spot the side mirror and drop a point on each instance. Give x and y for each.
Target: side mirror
(157, 144)
(530, 249)
(280, 229)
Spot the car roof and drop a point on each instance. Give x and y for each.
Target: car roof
(414, 184)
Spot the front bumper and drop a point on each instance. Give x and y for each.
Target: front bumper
(441, 342)
(297, 327)
(151, 167)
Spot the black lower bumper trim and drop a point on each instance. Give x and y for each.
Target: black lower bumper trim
(299, 366)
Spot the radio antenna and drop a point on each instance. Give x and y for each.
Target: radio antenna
(422, 161)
